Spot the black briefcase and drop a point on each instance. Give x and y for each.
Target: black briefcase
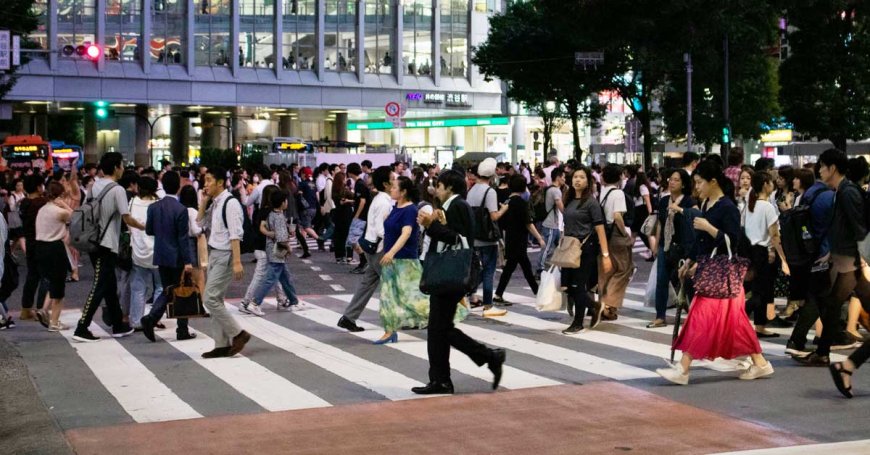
(184, 300)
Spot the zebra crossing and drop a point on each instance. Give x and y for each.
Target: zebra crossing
(299, 360)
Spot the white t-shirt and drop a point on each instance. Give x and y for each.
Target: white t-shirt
(615, 202)
(759, 221)
(142, 243)
(644, 191)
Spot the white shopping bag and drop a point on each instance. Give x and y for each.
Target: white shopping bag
(649, 297)
(549, 296)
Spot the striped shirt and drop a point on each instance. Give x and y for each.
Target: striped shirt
(222, 234)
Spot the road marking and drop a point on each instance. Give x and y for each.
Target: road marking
(513, 378)
(382, 380)
(325, 277)
(556, 354)
(261, 385)
(316, 269)
(306, 261)
(337, 287)
(139, 392)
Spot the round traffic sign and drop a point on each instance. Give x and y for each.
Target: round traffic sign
(393, 109)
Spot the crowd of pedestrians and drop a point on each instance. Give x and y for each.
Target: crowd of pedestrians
(767, 232)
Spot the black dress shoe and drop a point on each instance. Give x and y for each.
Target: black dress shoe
(434, 388)
(185, 336)
(217, 352)
(495, 364)
(349, 325)
(813, 360)
(148, 328)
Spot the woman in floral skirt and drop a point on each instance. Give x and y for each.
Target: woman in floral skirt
(402, 303)
(716, 327)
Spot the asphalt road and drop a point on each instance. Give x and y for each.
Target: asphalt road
(299, 360)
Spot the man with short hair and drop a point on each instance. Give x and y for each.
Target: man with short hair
(265, 180)
(735, 162)
(168, 222)
(224, 262)
(361, 202)
(366, 170)
(555, 207)
(554, 163)
(113, 210)
(690, 162)
(483, 196)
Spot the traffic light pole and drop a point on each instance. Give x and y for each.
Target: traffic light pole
(726, 143)
(689, 133)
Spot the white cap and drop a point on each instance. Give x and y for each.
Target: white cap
(486, 168)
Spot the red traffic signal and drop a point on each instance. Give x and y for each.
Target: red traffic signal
(93, 52)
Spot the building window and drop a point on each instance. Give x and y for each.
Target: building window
(123, 23)
(39, 37)
(379, 37)
(212, 33)
(454, 38)
(167, 28)
(417, 39)
(256, 41)
(340, 35)
(299, 40)
(75, 22)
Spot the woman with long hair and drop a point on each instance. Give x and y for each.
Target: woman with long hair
(144, 273)
(517, 225)
(188, 198)
(341, 217)
(584, 220)
(716, 327)
(761, 224)
(248, 304)
(51, 229)
(674, 246)
(641, 194)
(744, 189)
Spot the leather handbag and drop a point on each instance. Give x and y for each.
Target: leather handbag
(453, 271)
(184, 299)
(567, 253)
(720, 276)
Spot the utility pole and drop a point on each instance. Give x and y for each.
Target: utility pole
(687, 57)
(726, 137)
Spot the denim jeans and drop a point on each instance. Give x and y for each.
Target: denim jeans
(663, 281)
(141, 279)
(488, 259)
(259, 274)
(276, 272)
(552, 237)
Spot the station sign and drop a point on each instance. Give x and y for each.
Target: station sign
(431, 123)
(438, 98)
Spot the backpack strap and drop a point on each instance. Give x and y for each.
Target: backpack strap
(100, 201)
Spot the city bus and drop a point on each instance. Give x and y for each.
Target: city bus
(26, 152)
(64, 156)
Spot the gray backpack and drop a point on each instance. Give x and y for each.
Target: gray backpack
(86, 230)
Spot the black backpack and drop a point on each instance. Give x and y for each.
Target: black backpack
(798, 243)
(248, 242)
(627, 217)
(539, 206)
(485, 229)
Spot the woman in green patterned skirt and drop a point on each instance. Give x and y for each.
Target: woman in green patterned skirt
(402, 303)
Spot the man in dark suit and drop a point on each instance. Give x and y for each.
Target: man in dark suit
(445, 226)
(168, 222)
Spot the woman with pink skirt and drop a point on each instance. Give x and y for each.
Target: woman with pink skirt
(716, 328)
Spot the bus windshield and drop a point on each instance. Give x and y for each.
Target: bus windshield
(26, 152)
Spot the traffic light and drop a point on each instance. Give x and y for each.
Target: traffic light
(93, 52)
(86, 50)
(726, 135)
(102, 111)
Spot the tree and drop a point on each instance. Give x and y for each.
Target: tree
(552, 117)
(19, 19)
(825, 82)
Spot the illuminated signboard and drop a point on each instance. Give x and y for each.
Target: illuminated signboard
(25, 148)
(777, 136)
(290, 146)
(432, 123)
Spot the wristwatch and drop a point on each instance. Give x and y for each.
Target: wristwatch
(607, 255)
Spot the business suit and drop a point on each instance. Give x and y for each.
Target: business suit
(442, 307)
(168, 223)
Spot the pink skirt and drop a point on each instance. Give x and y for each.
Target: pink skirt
(717, 328)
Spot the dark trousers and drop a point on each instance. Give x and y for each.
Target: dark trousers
(33, 282)
(831, 305)
(509, 267)
(169, 276)
(341, 217)
(443, 334)
(301, 240)
(105, 287)
(806, 319)
(762, 284)
(579, 280)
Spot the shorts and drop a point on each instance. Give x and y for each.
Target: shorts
(357, 230)
(306, 218)
(52, 264)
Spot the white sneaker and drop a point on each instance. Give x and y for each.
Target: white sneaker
(57, 327)
(674, 374)
(755, 372)
(494, 312)
(244, 307)
(255, 310)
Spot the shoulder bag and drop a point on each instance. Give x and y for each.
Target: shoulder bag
(568, 252)
(453, 271)
(720, 277)
(185, 300)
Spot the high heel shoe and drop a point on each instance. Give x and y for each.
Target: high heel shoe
(394, 338)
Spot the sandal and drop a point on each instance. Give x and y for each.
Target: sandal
(837, 371)
(656, 324)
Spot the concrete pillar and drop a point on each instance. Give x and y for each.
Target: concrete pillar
(341, 126)
(211, 132)
(285, 126)
(518, 138)
(399, 24)
(141, 152)
(320, 39)
(40, 125)
(25, 124)
(436, 42)
(92, 155)
(457, 138)
(180, 137)
(234, 132)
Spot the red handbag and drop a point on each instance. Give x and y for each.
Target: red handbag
(720, 276)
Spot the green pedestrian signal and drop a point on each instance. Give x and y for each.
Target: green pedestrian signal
(726, 135)
(101, 113)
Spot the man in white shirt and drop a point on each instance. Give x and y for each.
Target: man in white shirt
(612, 285)
(382, 205)
(224, 262)
(690, 162)
(482, 196)
(554, 163)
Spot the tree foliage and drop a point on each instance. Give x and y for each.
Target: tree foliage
(18, 18)
(825, 82)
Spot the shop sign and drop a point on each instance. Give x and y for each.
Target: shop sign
(778, 136)
(432, 123)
